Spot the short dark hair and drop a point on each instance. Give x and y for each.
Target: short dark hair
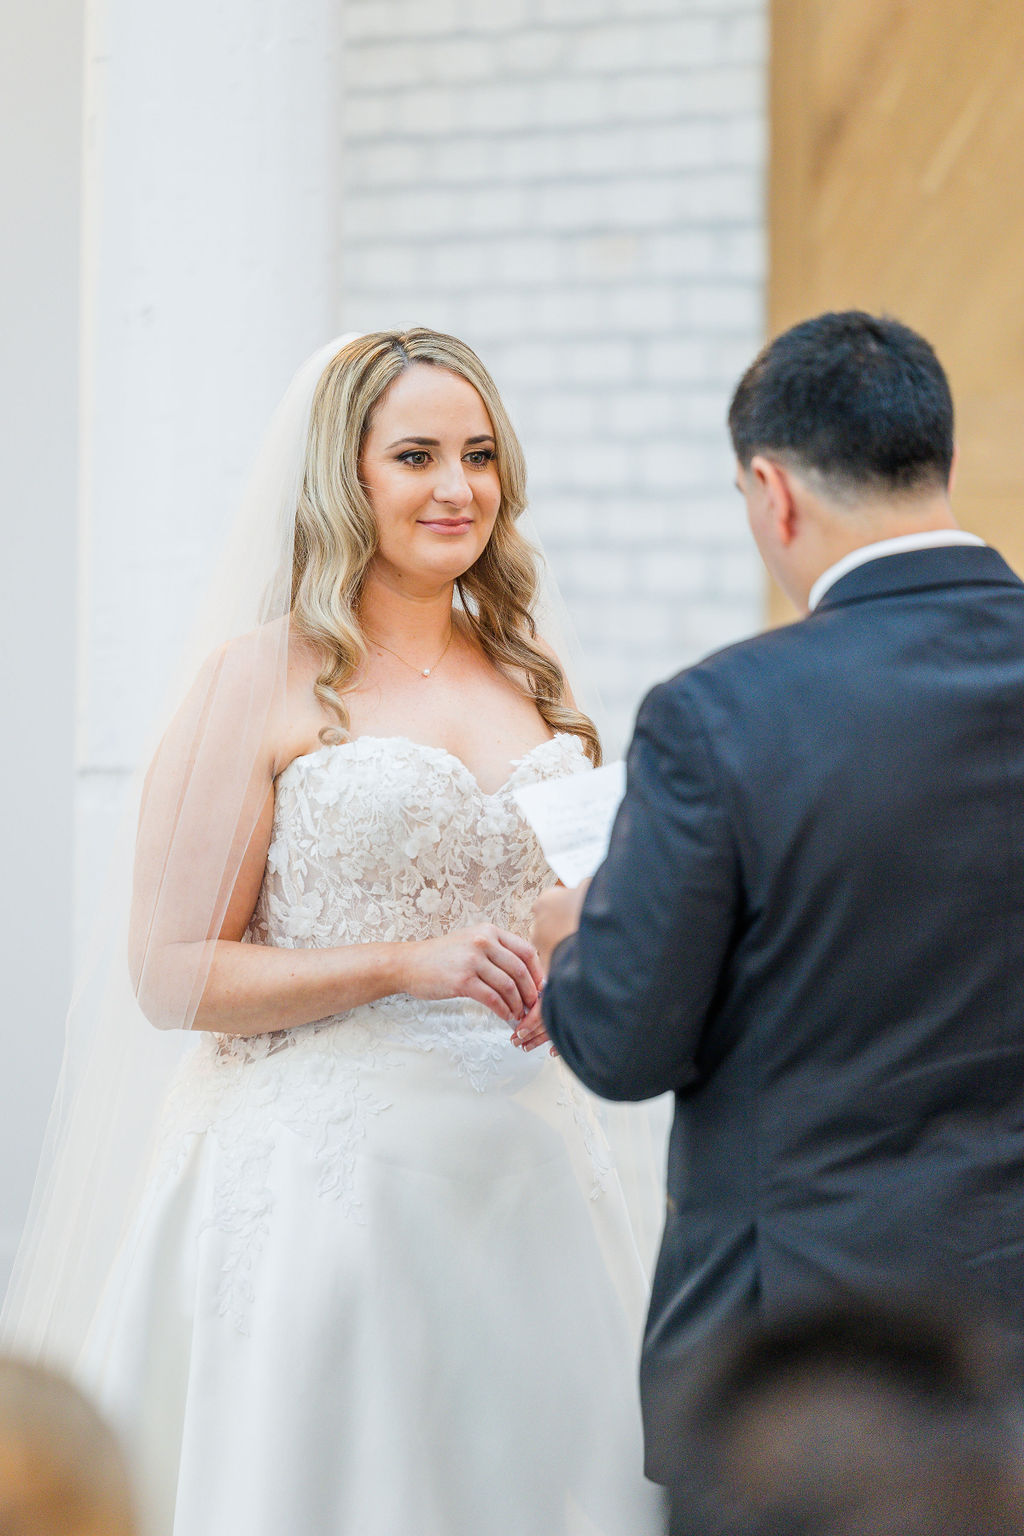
(862, 1420)
(860, 399)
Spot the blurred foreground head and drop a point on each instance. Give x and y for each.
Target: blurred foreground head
(860, 1421)
(61, 1470)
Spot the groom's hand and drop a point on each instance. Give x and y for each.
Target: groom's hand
(531, 1032)
(556, 914)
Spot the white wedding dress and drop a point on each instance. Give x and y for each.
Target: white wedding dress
(382, 1281)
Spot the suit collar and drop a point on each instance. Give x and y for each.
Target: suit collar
(953, 565)
(901, 544)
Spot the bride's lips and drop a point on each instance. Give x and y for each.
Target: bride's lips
(447, 524)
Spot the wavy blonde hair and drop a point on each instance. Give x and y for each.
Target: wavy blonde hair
(336, 534)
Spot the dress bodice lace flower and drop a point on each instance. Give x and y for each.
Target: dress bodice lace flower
(377, 839)
(383, 839)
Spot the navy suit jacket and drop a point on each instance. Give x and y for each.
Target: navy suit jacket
(810, 928)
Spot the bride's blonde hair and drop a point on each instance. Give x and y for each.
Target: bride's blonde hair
(336, 533)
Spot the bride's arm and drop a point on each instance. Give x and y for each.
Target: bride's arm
(204, 835)
(226, 985)
(252, 989)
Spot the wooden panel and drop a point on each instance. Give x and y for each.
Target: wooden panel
(897, 185)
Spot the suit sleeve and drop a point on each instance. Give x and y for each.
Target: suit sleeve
(628, 994)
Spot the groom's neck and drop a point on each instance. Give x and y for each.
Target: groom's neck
(831, 531)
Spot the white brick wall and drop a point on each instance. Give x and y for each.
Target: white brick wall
(576, 188)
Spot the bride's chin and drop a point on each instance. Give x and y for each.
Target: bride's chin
(446, 566)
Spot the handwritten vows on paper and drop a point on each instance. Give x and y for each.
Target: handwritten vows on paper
(573, 817)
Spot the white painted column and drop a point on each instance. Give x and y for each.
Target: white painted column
(209, 270)
(40, 112)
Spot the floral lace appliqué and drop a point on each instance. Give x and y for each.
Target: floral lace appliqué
(374, 840)
(595, 1142)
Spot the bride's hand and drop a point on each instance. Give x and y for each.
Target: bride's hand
(531, 1032)
(485, 963)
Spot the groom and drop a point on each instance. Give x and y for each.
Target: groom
(810, 923)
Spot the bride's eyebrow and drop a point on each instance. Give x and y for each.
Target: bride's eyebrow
(434, 442)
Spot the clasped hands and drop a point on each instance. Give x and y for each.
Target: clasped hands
(556, 914)
(492, 966)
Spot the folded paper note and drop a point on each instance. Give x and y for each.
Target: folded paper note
(573, 817)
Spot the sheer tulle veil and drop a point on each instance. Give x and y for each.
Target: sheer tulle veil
(117, 1067)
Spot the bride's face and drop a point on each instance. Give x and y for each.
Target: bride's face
(429, 468)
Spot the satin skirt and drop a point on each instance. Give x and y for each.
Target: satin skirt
(382, 1282)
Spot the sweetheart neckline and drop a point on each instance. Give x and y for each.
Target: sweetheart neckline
(425, 746)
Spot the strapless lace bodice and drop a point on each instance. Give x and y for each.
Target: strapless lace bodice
(382, 839)
(378, 839)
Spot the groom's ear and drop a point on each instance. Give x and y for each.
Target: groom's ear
(954, 466)
(777, 504)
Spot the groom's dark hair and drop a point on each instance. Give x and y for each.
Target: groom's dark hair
(863, 401)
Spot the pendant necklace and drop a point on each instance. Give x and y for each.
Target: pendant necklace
(423, 671)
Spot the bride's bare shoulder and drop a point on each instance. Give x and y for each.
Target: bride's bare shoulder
(273, 655)
(239, 689)
(251, 694)
(265, 645)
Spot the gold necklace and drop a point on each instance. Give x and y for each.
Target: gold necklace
(423, 671)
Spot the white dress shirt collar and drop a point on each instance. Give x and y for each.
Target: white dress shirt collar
(932, 539)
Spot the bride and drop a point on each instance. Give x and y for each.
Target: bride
(380, 1279)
